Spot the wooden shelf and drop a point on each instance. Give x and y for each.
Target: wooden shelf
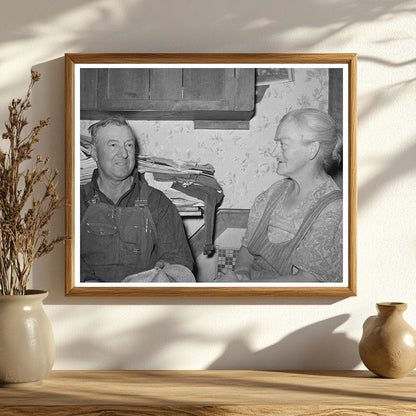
(202, 393)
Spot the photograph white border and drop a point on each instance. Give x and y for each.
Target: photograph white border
(73, 284)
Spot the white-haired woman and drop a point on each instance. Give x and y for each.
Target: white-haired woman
(294, 231)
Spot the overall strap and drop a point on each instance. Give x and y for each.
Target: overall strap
(307, 223)
(260, 234)
(315, 211)
(278, 256)
(142, 199)
(142, 203)
(267, 254)
(94, 200)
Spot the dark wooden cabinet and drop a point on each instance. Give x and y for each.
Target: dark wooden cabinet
(217, 94)
(88, 88)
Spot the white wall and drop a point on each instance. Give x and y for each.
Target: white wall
(198, 333)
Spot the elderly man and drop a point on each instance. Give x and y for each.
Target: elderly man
(127, 227)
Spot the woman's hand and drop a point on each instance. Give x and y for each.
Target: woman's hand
(230, 276)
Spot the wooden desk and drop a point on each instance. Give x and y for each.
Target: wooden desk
(253, 393)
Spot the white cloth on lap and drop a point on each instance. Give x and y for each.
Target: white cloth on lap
(171, 273)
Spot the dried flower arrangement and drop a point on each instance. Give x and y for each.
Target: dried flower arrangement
(28, 200)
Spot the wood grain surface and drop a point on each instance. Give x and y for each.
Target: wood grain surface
(213, 393)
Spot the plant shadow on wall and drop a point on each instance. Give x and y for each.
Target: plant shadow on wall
(393, 169)
(117, 346)
(389, 169)
(80, 29)
(403, 162)
(133, 19)
(77, 26)
(316, 346)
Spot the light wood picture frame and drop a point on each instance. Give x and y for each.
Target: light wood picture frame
(233, 116)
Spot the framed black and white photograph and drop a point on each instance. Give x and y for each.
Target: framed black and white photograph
(211, 174)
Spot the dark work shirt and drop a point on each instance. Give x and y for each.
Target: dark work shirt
(172, 245)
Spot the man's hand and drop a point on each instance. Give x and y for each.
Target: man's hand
(161, 264)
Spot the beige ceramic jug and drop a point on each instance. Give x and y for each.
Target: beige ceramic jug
(388, 345)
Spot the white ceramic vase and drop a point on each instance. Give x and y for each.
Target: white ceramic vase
(27, 346)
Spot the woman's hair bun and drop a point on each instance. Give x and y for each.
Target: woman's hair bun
(337, 151)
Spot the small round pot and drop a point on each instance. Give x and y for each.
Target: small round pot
(388, 345)
(27, 346)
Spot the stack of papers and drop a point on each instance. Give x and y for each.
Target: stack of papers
(164, 165)
(186, 205)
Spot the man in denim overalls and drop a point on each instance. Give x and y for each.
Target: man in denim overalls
(126, 226)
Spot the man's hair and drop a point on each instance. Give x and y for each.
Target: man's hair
(116, 120)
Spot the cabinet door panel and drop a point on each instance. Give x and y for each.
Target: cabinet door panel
(128, 84)
(88, 88)
(122, 89)
(204, 84)
(139, 89)
(166, 84)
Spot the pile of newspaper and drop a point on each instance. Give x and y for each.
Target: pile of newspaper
(161, 173)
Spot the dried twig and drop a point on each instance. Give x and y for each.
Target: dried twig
(23, 217)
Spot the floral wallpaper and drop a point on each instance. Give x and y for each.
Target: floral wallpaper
(243, 161)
